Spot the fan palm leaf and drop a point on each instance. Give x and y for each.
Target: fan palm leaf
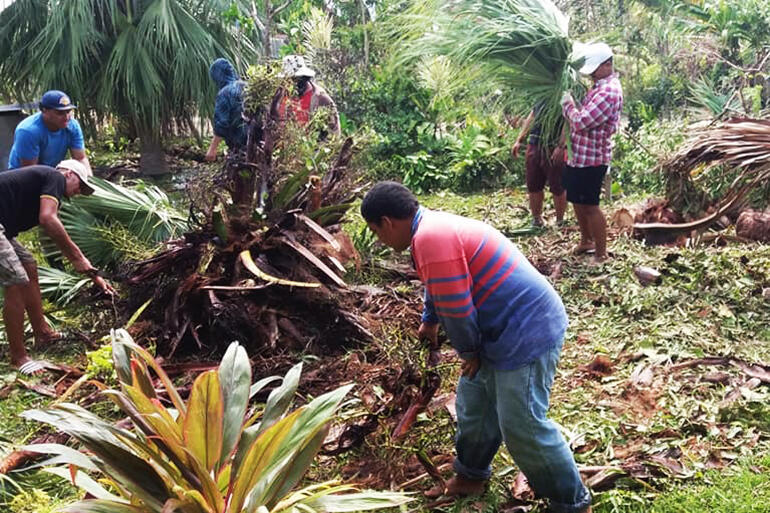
(520, 45)
(118, 223)
(146, 61)
(145, 209)
(60, 287)
(741, 144)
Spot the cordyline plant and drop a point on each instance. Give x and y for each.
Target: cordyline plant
(208, 454)
(520, 45)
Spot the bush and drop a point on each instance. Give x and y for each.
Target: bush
(634, 163)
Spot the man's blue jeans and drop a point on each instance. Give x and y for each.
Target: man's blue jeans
(511, 406)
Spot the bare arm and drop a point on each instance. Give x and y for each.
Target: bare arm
(53, 227)
(80, 156)
(28, 162)
(211, 155)
(523, 133)
(50, 222)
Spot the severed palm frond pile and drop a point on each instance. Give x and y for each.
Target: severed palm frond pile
(522, 46)
(738, 144)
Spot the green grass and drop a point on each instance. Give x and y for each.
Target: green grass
(743, 490)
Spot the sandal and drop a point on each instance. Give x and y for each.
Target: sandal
(48, 339)
(33, 367)
(582, 248)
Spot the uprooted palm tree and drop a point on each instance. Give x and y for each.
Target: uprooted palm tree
(264, 265)
(144, 62)
(737, 150)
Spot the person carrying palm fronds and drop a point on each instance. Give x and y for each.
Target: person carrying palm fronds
(592, 125)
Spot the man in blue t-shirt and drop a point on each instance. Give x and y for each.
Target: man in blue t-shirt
(44, 137)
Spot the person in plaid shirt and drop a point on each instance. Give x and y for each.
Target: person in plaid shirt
(591, 127)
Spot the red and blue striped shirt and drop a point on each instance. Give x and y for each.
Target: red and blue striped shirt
(490, 300)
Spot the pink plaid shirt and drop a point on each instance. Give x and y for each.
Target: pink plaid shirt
(592, 126)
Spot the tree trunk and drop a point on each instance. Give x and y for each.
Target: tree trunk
(366, 33)
(152, 158)
(266, 33)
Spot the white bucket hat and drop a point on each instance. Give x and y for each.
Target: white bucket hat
(594, 54)
(79, 169)
(294, 66)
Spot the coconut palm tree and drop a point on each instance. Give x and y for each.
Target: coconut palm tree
(144, 61)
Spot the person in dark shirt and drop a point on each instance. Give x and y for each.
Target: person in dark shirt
(29, 197)
(545, 160)
(228, 109)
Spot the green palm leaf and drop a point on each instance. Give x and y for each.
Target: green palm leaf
(59, 286)
(522, 46)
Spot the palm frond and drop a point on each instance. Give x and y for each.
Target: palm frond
(317, 31)
(118, 223)
(520, 45)
(60, 287)
(144, 209)
(738, 144)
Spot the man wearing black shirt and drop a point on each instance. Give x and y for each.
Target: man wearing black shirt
(30, 197)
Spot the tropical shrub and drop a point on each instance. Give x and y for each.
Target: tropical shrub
(637, 154)
(207, 454)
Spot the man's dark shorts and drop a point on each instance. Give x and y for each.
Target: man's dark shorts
(541, 169)
(12, 256)
(584, 184)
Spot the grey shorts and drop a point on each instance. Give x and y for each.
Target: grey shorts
(12, 257)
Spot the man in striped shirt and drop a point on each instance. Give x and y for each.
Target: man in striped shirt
(507, 325)
(591, 128)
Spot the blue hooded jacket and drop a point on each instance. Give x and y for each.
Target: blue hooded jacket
(228, 123)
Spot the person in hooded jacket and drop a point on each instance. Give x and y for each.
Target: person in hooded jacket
(228, 109)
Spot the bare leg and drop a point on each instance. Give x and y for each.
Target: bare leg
(586, 241)
(536, 206)
(13, 315)
(560, 205)
(34, 305)
(598, 229)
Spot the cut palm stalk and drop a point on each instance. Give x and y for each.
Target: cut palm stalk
(251, 266)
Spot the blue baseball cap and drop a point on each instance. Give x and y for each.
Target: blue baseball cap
(56, 100)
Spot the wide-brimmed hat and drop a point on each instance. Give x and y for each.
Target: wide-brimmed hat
(594, 55)
(79, 169)
(57, 100)
(294, 66)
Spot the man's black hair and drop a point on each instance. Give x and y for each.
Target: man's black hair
(388, 199)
